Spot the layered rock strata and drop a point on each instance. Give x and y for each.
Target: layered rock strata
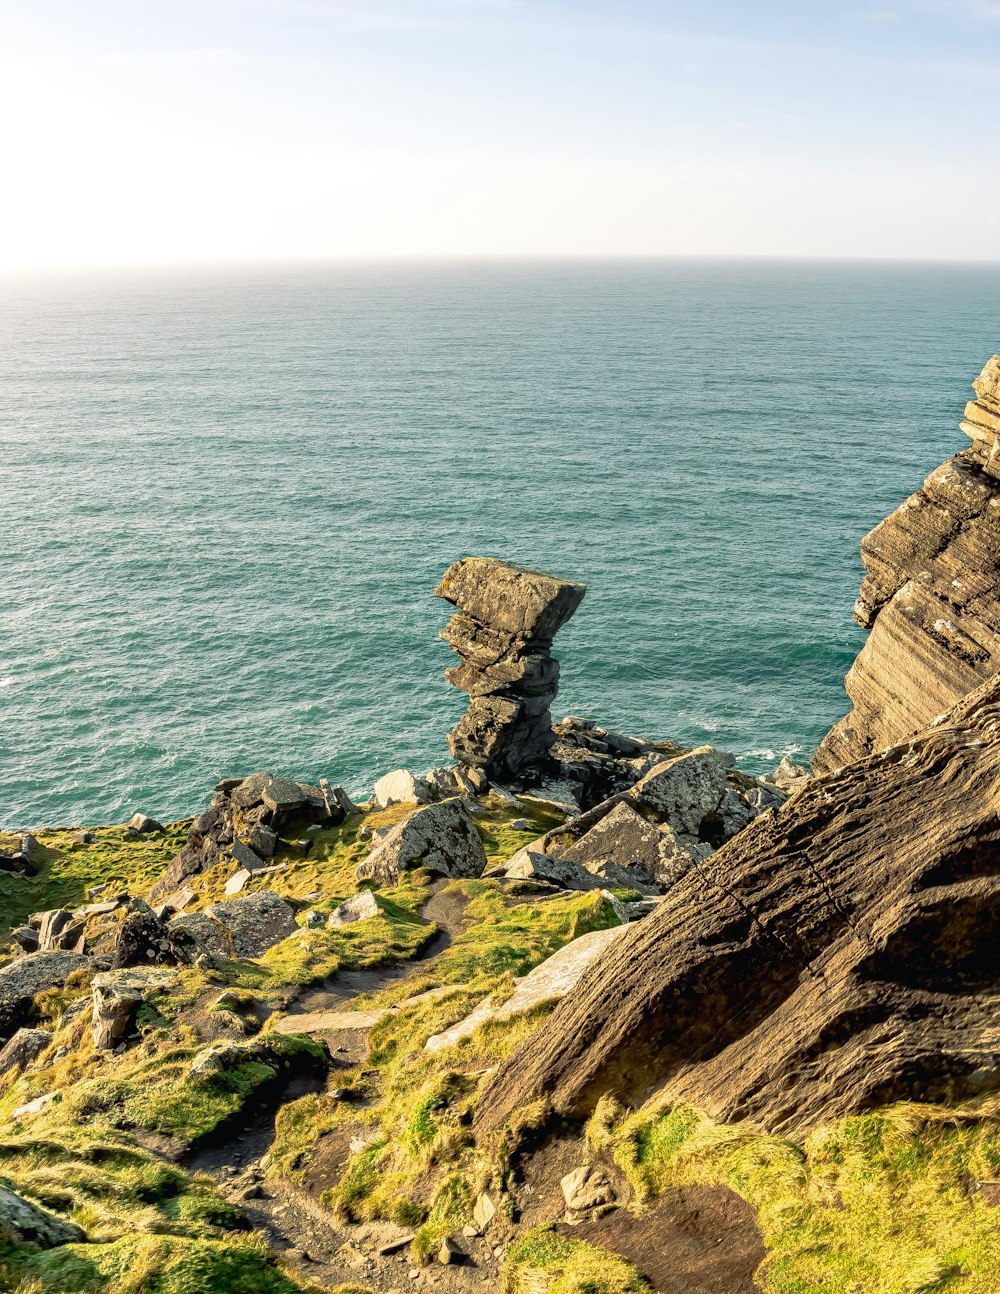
(839, 953)
(930, 596)
(503, 628)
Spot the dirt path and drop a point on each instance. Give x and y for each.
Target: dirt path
(295, 1227)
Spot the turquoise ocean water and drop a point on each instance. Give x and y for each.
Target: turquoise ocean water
(229, 495)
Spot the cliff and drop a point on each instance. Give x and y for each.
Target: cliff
(930, 596)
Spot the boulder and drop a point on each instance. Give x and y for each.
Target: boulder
(143, 939)
(256, 921)
(835, 955)
(502, 631)
(441, 837)
(117, 996)
(644, 853)
(143, 824)
(551, 980)
(585, 1190)
(24, 1223)
(23, 1049)
(401, 787)
(529, 864)
(203, 936)
(25, 938)
(686, 789)
(357, 908)
(31, 974)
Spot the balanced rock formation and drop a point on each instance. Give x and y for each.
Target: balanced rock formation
(503, 630)
(837, 954)
(930, 596)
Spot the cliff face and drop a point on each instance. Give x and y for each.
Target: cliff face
(930, 596)
(837, 954)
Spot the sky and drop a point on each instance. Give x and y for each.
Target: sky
(162, 131)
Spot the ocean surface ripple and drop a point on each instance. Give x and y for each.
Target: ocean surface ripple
(230, 495)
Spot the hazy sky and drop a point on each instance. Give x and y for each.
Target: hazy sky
(163, 130)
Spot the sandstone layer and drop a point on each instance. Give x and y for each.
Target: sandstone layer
(838, 954)
(930, 596)
(503, 628)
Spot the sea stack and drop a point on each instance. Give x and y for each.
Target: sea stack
(503, 629)
(930, 596)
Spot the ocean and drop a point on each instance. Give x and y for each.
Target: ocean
(230, 494)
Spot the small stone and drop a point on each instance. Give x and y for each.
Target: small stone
(484, 1211)
(449, 1252)
(520, 824)
(401, 787)
(143, 824)
(359, 907)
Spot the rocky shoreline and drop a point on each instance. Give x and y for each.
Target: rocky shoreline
(579, 1012)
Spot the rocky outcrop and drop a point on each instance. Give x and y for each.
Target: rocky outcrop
(503, 630)
(441, 837)
(930, 596)
(22, 979)
(838, 954)
(117, 996)
(241, 825)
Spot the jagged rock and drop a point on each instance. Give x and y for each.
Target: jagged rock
(143, 939)
(528, 864)
(357, 908)
(930, 597)
(22, 1222)
(483, 1211)
(30, 848)
(203, 935)
(34, 973)
(248, 810)
(84, 837)
(503, 630)
(835, 955)
(117, 996)
(51, 926)
(441, 837)
(256, 922)
(645, 853)
(788, 776)
(25, 938)
(23, 1049)
(19, 864)
(401, 787)
(548, 982)
(686, 789)
(144, 825)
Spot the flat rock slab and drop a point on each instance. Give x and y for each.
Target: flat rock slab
(314, 1022)
(548, 982)
(256, 922)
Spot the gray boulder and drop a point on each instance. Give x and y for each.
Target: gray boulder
(685, 789)
(357, 908)
(203, 936)
(441, 837)
(23, 1050)
(143, 824)
(256, 921)
(34, 973)
(625, 849)
(27, 1224)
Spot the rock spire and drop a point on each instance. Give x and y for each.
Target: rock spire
(503, 628)
(930, 596)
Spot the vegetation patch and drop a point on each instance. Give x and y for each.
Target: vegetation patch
(540, 1262)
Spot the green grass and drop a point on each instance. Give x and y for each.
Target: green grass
(883, 1203)
(68, 870)
(572, 1267)
(152, 1264)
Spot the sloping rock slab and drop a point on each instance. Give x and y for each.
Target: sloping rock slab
(549, 981)
(441, 837)
(642, 852)
(685, 789)
(836, 955)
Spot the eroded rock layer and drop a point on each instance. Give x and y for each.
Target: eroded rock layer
(930, 596)
(503, 629)
(830, 958)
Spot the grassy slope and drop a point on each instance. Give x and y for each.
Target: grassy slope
(886, 1203)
